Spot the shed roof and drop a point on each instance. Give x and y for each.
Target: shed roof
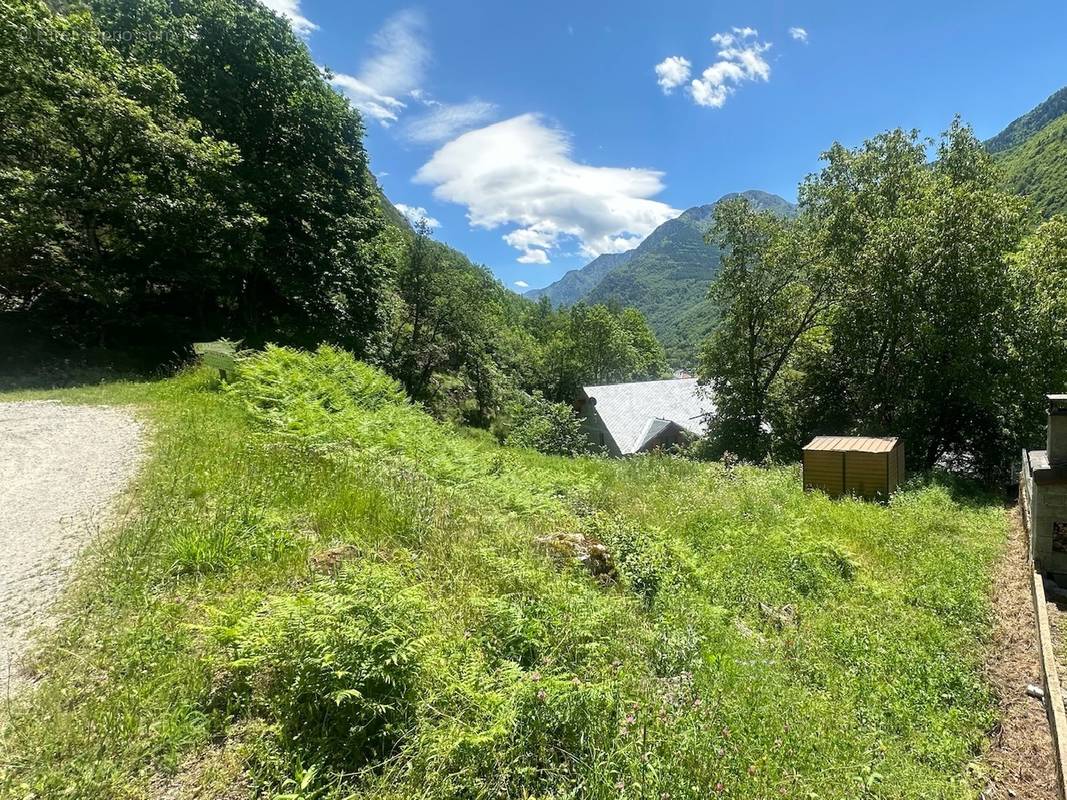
(852, 444)
(634, 413)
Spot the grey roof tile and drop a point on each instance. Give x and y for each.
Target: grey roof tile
(634, 412)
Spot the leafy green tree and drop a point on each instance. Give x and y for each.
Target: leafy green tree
(598, 345)
(771, 290)
(316, 271)
(547, 427)
(923, 314)
(889, 306)
(1039, 271)
(114, 209)
(455, 336)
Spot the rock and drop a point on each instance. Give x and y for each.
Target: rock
(780, 618)
(327, 561)
(1035, 691)
(587, 551)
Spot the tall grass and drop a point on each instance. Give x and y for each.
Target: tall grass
(327, 594)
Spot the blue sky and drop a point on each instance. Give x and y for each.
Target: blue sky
(537, 135)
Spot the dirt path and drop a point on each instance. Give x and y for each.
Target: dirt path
(1020, 759)
(60, 469)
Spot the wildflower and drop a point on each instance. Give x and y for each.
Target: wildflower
(751, 769)
(535, 676)
(621, 785)
(576, 681)
(541, 695)
(719, 787)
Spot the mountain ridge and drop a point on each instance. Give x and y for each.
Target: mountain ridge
(666, 276)
(1032, 122)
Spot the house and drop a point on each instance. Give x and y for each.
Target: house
(627, 418)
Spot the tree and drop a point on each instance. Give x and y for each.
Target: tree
(598, 345)
(315, 271)
(547, 427)
(919, 338)
(771, 290)
(890, 306)
(114, 210)
(1039, 271)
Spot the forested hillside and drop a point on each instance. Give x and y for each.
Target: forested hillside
(1032, 152)
(1037, 168)
(666, 277)
(577, 283)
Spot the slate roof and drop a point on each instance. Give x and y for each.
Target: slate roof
(634, 413)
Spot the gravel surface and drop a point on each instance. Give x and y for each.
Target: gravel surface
(61, 467)
(1020, 758)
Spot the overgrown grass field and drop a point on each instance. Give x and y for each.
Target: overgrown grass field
(323, 593)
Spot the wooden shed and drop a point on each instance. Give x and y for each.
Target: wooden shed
(860, 465)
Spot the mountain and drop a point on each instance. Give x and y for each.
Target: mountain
(666, 277)
(1028, 124)
(1032, 151)
(577, 283)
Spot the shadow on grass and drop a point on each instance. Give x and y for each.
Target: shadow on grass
(963, 490)
(31, 363)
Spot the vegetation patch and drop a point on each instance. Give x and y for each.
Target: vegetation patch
(754, 641)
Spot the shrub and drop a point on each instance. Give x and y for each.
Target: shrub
(335, 668)
(293, 389)
(642, 558)
(547, 427)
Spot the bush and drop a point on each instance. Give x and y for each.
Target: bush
(547, 427)
(335, 668)
(293, 389)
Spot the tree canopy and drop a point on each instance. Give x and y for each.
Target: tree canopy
(181, 170)
(905, 299)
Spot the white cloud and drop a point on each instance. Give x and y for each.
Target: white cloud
(672, 72)
(416, 214)
(396, 68)
(290, 9)
(444, 121)
(522, 284)
(799, 34)
(740, 59)
(520, 172)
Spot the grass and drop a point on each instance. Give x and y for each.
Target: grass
(326, 594)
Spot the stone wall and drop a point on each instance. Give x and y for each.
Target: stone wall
(1048, 527)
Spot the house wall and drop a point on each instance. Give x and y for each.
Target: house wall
(596, 431)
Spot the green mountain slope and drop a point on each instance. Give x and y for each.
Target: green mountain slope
(1028, 124)
(1032, 151)
(1037, 168)
(577, 283)
(666, 277)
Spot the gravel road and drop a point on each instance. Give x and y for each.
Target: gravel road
(61, 468)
